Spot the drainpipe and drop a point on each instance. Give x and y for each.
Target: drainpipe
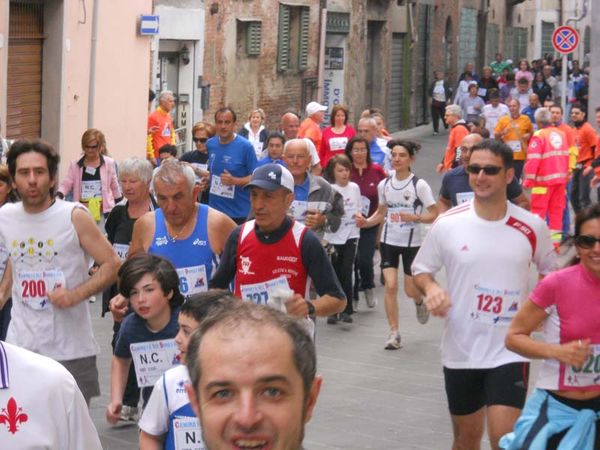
(322, 37)
(93, 54)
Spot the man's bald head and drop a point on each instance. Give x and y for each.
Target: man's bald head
(289, 125)
(468, 142)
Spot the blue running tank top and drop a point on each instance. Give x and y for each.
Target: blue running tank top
(192, 257)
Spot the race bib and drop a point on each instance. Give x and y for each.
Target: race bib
(187, 434)
(394, 218)
(338, 143)
(515, 146)
(298, 210)
(365, 205)
(91, 189)
(481, 92)
(494, 306)
(471, 110)
(34, 286)
(122, 251)
(263, 293)
(218, 188)
(464, 197)
(197, 167)
(152, 359)
(192, 280)
(586, 377)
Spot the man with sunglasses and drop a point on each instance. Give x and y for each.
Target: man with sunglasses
(486, 246)
(455, 184)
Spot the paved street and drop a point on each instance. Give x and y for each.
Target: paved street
(371, 398)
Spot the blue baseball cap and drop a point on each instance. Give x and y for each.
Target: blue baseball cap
(271, 177)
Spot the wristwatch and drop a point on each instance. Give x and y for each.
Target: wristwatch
(311, 308)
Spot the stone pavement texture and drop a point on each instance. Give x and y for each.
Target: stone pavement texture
(371, 398)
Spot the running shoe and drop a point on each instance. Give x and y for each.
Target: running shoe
(393, 342)
(129, 413)
(345, 317)
(371, 300)
(332, 320)
(355, 305)
(422, 312)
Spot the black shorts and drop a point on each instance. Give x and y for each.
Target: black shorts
(390, 257)
(468, 390)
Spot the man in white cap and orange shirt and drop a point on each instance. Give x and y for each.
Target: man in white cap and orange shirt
(311, 126)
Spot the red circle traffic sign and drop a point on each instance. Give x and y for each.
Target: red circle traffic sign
(565, 39)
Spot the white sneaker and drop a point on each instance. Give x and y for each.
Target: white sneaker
(393, 342)
(422, 312)
(371, 300)
(129, 413)
(355, 305)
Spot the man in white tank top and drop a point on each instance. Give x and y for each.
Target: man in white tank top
(51, 245)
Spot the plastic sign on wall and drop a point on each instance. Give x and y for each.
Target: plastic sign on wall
(333, 81)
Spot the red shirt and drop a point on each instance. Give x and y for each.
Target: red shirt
(257, 263)
(333, 143)
(367, 182)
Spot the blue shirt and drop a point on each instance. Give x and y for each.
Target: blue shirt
(377, 154)
(301, 190)
(239, 159)
(269, 160)
(187, 255)
(529, 112)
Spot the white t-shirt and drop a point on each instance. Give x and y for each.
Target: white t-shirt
(45, 252)
(399, 196)
(44, 391)
(171, 406)
(352, 205)
(487, 266)
(492, 115)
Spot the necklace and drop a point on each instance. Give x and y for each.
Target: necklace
(175, 236)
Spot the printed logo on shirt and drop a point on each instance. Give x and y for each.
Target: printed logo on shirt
(162, 240)
(32, 251)
(465, 248)
(12, 416)
(180, 389)
(292, 259)
(555, 140)
(199, 242)
(246, 263)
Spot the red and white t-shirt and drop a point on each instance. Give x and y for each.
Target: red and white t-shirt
(571, 297)
(488, 270)
(333, 143)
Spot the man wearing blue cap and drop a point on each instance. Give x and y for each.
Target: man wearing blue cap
(275, 256)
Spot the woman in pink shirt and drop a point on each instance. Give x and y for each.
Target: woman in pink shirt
(524, 72)
(565, 406)
(336, 136)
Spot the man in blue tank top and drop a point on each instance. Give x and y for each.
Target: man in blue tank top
(189, 234)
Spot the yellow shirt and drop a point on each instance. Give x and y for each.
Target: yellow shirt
(515, 130)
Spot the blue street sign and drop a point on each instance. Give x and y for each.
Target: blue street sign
(148, 25)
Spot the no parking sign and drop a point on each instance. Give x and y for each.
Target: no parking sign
(565, 39)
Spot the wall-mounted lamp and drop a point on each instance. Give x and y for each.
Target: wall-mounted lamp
(184, 55)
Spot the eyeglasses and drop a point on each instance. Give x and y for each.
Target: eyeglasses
(202, 140)
(93, 147)
(488, 170)
(586, 241)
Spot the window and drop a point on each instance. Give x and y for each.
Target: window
(249, 37)
(292, 43)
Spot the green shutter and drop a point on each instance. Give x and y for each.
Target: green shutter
(303, 41)
(283, 42)
(253, 38)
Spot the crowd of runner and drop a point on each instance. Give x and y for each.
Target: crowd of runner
(292, 218)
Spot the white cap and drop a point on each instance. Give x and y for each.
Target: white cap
(314, 107)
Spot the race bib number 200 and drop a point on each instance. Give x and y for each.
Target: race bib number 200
(34, 286)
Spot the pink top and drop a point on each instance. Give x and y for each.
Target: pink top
(524, 74)
(334, 143)
(571, 297)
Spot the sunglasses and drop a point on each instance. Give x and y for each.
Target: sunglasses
(202, 140)
(92, 146)
(586, 241)
(488, 170)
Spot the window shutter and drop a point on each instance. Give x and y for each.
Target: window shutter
(303, 41)
(253, 38)
(283, 43)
